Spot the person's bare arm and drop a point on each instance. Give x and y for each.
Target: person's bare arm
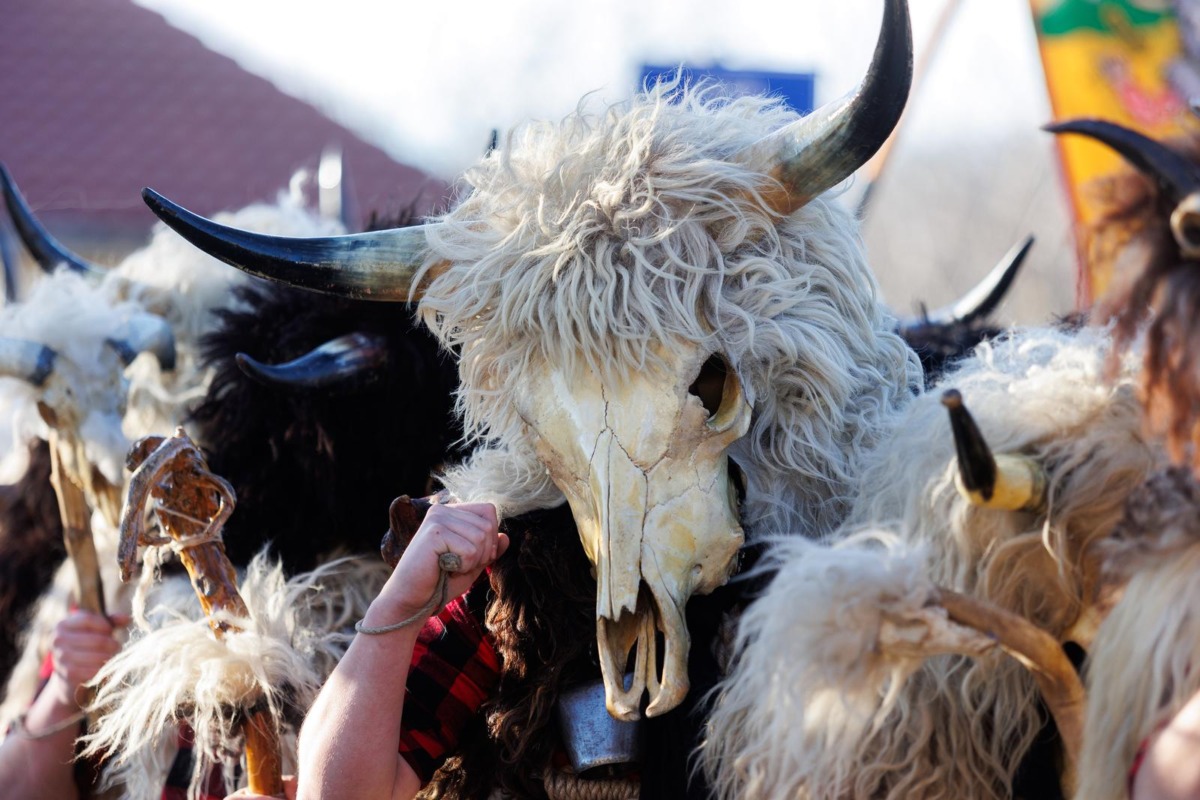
(36, 761)
(350, 740)
(1171, 768)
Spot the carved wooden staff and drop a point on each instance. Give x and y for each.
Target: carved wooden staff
(950, 622)
(77, 531)
(192, 505)
(76, 517)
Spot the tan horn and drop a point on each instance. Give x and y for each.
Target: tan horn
(380, 265)
(824, 148)
(1006, 482)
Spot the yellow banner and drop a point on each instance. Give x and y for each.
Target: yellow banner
(1119, 60)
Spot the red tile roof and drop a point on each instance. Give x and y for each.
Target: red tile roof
(101, 98)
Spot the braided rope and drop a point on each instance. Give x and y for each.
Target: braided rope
(569, 786)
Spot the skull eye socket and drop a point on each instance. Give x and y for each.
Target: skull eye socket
(720, 392)
(709, 385)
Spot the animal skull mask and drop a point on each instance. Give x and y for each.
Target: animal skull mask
(643, 463)
(641, 459)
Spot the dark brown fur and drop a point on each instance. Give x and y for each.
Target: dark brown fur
(1132, 241)
(1161, 516)
(31, 548)
(314, 472)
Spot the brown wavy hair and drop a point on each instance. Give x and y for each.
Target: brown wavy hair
(31, 548)
(541, 615)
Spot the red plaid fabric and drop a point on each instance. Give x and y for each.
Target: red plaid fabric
(454, 669)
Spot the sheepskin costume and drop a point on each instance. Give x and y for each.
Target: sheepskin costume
(609, 244)
(955, 727)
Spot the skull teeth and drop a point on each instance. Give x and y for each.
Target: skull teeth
(637, 633)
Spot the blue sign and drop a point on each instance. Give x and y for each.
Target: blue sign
(794, 87)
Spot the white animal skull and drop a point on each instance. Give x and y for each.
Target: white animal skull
(642, 461)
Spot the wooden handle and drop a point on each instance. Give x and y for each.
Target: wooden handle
(264, 761)
(77, 533)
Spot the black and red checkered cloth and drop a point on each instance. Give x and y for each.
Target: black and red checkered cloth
(454, 670)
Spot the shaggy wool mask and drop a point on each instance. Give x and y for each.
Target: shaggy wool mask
(642, 461)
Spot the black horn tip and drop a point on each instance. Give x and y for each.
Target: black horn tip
(161, 206)
(1176, 175)
(1092, 127)
(44, 248)
(342, 365)
(1087, 126)
(252, 368)
(1015, 262)
(976, 464)
(1067, 126)
(45, 366)
(6, 180)
(174, 215)
(984, 299)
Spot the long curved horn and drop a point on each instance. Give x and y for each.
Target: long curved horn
(1007, 482)
(29, 361)
(8, 258)
(146, 332)
(44, 248)
(979, 303)
(1177, 177)
(351, 359)
(1174, 174)
(379, 265)
(824, 148)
